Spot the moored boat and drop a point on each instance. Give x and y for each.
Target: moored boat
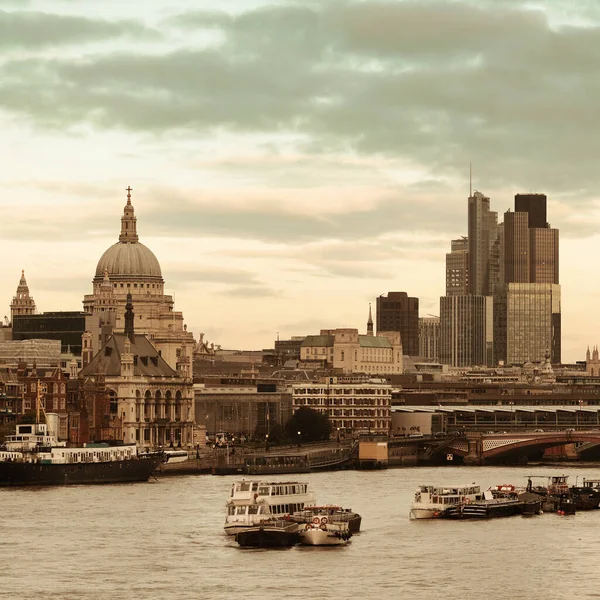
(488, 508)
(333, 512)
(271, 533)
(253, 501)
(322, 532)
(431, 501)
(34, 456)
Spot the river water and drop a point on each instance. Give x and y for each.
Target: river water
(164, 539)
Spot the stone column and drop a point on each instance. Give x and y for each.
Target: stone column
(475, 454)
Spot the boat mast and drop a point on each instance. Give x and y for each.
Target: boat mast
(37, 402)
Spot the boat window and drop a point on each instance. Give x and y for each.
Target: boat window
(231, 510)
(245, 487)
(254, 486)
(263, 491)
(253, 510)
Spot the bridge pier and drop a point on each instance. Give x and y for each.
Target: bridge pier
(475, 453)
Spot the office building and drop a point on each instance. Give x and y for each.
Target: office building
(429, 338)
(399, 312)
(457, 268)
(466, 330)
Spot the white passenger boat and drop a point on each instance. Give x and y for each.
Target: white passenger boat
(431, 501)
(253, 501)
(175, 456)
(323, 532)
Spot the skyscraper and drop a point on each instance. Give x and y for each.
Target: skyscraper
(483, 246)
(457, 268)
(527, 313)
(398, 312)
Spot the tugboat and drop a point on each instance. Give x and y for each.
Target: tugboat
(271, 533)
(34, 456)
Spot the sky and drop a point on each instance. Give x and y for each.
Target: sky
(291, 161)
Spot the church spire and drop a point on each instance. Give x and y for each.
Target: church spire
(129, 318)
(23, 303)
(370, 322)
(128, 221)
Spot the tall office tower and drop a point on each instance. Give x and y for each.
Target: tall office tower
(483, 246)
(457, 268)
(398, 312)
(527, 323)
(535, 206)
(466, 330)
(429, 338)
(527, 316)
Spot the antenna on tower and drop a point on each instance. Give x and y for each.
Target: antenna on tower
(470, 180)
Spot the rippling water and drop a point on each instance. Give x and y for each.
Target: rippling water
(165, 539)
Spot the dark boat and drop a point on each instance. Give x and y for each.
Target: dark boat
(587, 496)
(275, 533)
(531, 504)
(34, 457)
(334, 512)
(15, 473)
(483, 509)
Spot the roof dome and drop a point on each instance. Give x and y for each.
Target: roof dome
(128, 257)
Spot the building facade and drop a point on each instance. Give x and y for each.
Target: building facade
(429, 338)
(457, 268)
(399, 312)
(352, 407)
(129, 267)
(68, 327)
(350, 352)
(466, 330)
(527, 323)
(150, 403)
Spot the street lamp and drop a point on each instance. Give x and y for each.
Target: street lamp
(299, 433)
(267, 441)
(580, 402)
(338, 435)
(513, 416)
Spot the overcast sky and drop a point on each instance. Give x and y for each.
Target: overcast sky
(291, 161)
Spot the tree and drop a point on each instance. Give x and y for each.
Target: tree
(312, 425)
(277, 434)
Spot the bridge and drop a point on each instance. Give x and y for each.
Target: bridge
(478, 448)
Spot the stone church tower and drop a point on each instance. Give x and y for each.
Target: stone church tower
(130, 267)
(592, 362)
(23, 303)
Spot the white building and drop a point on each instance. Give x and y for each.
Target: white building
(351, 352)
(351, 406)
(129, 267)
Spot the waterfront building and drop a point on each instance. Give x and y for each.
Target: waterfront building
(350, 352)
(466, 330)
(150, 403)
(429, 338)
(352, 405)
(129, 267)
(45, 354)
(68, 327)
(22, 303)
(241, 406)
(457, 268)
(399, 312)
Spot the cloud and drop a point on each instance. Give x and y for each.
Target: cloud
(439, 84)
(30, 30)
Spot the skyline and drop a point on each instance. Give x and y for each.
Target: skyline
(287, 163)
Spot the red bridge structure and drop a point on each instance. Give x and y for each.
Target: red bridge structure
(477, 448)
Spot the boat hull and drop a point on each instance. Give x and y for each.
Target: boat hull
(426, 513)
(16, 474)
(318, 537)
(489, 509)
(267, 537)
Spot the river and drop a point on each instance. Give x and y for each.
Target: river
(164, 540)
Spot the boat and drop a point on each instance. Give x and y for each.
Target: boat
(252, 501)
(486, 508)
(586, 496)
(431, 501)
(34, 456)
(270, 533)
(334, 513)
(175, 456)
(531, 504)
(323, 532)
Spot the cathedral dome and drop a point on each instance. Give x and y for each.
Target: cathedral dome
(128, 258)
